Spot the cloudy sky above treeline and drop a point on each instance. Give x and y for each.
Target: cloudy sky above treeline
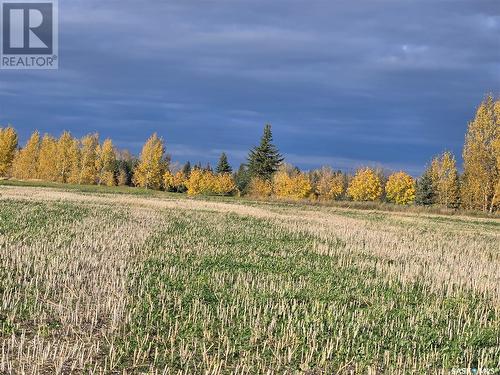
(344, 83)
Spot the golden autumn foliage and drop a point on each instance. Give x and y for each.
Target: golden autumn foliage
(445, 180)
(8, 146)
(202, 182)
(105, 163)
(86, 161)
(168, 181)
(281, 184)
(260, 188)
(197, 183)
(149, 173)
(365, 186)
(293, 185)
(67, 159)
(496, 196)
(400, 188)
(86, 170)
(330, 185)
(175, 182)
(481, 170)
(25, 163)
(223, 184)
(179, 181)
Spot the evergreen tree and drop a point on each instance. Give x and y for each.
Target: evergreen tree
(186, 169)
(125, 170)
(265, 159)
(425, 194)
(242, 178)
(223, 165)
(125, 165)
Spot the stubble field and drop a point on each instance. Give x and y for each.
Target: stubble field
(118, 283)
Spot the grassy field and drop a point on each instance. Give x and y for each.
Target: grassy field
(122, 281)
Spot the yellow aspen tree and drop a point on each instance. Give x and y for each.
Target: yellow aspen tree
(87, 172)
(434, 172)
(260, 188)
(106, 163)
(445, 180)
(282, 184)
(207, 182)
(168, 181)
(193, 183)
(291, 184)
(496, 196)
(25, 163)
(329, 185)
(8, 147)
(47, 159)
(223, 184)
(151, 168)
(301, 186)
(400, 188)
(495, 202)
(68, 158)
(481, 172)
(199, 182)
(449, 188)
(365, 186)
(179, 181)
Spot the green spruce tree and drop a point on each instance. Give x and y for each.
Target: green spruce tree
(425, 194)
(265, 159)
(223, 165)
(242, 178)
(186, 169)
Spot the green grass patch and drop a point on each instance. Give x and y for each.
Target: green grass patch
(27, 221)
(259, 293)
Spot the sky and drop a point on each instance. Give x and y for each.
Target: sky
(343, 83)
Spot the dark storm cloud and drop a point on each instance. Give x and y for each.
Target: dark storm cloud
(343, 82)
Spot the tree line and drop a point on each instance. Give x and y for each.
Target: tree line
(265, 174)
